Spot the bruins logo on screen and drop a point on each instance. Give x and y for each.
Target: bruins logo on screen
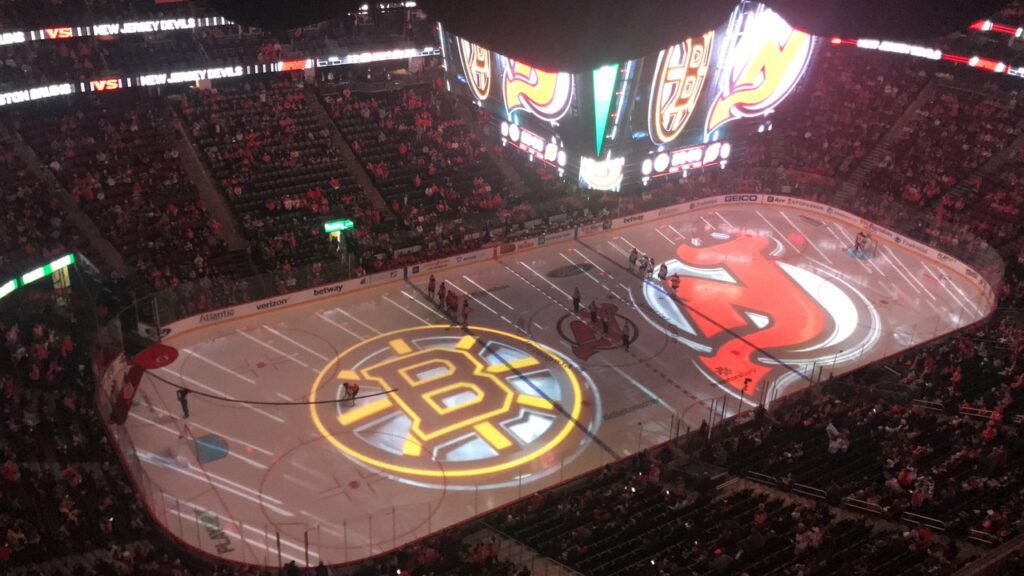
(463, 410)
(476, 62)
(678, 79)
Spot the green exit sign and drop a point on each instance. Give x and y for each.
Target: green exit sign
(338, 225)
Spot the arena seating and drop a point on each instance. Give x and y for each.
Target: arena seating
(117, 158)
(34, 228)
(947, 456)
(954, 133)
(36, 64)
(641, 518)
(997, 215)
(938, 444)
(151, 53)
(23, 14)
(426, 162)
(1011, 14)
(63, 491)
(830, 133)
(277, 166)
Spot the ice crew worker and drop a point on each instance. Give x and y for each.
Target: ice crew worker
(183, 400)
(576, 300)
(675, 283)
(465, 312)
(351, 390)
(431, 286)
(440, 294)
(663, 272)
(625, 337)
(632, 259)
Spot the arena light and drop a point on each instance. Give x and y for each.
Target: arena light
(59, 32)
(9, 287)
(338, 225)
(376, 56)
(990, 26)
(974, 61)
(62, 262)
(33, 94)
(7, 38)
(604, 93)
(30, 277)
(605, 175)
(111, 84)
(58, 264)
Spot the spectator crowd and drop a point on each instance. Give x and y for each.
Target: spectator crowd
(934, 435)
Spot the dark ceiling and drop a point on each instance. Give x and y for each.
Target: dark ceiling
(577, 35)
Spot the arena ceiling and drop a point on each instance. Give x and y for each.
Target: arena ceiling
(578, 35)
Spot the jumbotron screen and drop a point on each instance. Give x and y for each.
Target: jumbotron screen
(680, 109)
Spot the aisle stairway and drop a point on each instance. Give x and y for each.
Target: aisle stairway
(878, 152)
(515, 181)
(208, 188)
(352, 164)
(964, 186)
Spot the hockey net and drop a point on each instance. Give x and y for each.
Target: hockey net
(864, 246)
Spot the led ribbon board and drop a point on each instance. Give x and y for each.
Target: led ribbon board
(63, 32)
(31, 276)
(190, 76)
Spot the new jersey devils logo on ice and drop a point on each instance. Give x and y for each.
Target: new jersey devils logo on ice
(604, 332)
(750, 315)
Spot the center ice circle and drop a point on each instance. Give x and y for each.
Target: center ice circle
(443, 406)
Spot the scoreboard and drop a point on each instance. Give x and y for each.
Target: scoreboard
(654, 117)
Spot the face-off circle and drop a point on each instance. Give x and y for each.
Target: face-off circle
(440, 406)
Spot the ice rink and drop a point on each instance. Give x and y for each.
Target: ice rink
(453, 421)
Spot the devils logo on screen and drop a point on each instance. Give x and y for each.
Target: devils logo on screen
(750, 315)
(761, 68)
(546, 95)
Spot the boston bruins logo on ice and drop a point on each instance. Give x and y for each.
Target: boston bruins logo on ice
(438, 406)
(756, 321)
